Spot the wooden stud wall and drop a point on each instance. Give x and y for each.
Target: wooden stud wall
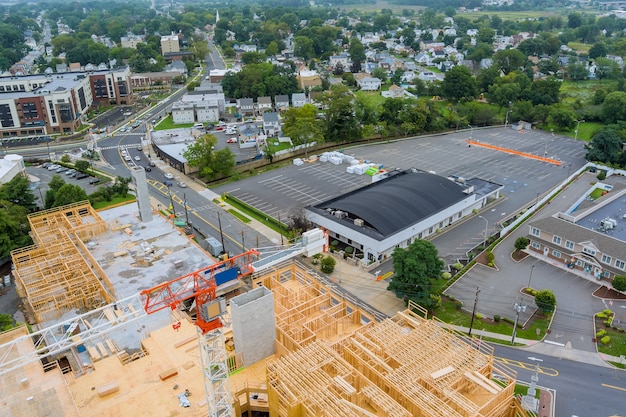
(58, 274)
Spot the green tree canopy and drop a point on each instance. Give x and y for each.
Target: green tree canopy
(619, 282)
(341, 123)
(14, 227)
(414, 270)
(211, 163)
(459, 84)
(509, 60)
(614, 107)
(18, 191)
(300, 125)
(545, 301)
(69, 193)
(605, 146)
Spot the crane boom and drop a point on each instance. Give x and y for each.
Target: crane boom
(201, 285)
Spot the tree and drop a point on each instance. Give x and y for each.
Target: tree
(459, 84)
(82, 165)
(545, 301)
(327, 264)
(521, 243)
(356, 51)
(341, 123)
(564, 119)
(303, 47)
(509, 60)
(619, 282)
(548, 66)
(17, 191)
(69, 193)
(598, 50)
(576, 72)
(607, 68)
(605, 146)
(380, 73)
(211, 164)
(300, 125)
(545, 91)
(414, 269)
(14, 228)
(614, 107)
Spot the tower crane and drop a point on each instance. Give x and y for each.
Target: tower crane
(201, 286)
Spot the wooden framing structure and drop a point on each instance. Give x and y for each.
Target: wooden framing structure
(58, 273)
(333, 359)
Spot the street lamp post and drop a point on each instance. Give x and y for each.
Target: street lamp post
(471, 131)
(530, 276)
(578, 122)
(545, 149)
(518, 308)
(486, 231)
(506, 117)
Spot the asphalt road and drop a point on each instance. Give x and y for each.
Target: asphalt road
(581, 390)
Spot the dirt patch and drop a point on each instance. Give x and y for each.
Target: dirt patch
(609, 293)
(481, 258)
(518, 255)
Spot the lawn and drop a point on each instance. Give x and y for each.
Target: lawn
(371, 97)
(276, 146)
(450, 314)
(168, 123)
(580, 47)
(98, 205)
(617, 345)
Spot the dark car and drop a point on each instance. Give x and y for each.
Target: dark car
(94, 181)
(152, 164)
(148, 169)
(81, 176)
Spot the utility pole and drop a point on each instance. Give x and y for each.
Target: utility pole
(243, 246)
(185, 206)
(473, 312)
(219, 223)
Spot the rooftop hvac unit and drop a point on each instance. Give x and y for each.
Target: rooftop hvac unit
(339, 214)
(359, 222)
(608, 223)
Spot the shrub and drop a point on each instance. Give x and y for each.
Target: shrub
(608, 312)
(521, 243)
(479, 316)
(349, 250)
(334, 243)
(490, 257)
(601, 176)
(490, 264)
(435, 301)
(508, 320)
(458, 266)
(534, 292)
(601, 333)
(619, 282)
(545, 301)
(607, 323)
(327, 265)
(606, 340)
(446, 275)
(496, 318)
(601, 316)
(458, 304)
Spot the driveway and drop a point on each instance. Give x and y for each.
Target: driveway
(572, 325)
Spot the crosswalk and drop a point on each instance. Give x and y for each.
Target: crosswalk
(125, 146)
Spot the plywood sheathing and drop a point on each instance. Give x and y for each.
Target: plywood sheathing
(58, 274)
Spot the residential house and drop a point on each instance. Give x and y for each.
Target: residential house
(408, 76)
(281, 102)
(183, 112)
(428, 76)
(271, 124)
(177, 66)
(393, 92)
(245, 106)
(308, 78)
(298, 100)
(369, 83)
(264, 104)
(131, 40)
(618, 59)
(343, 59)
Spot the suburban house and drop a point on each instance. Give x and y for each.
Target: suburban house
(308, 78)
(271, 123)
(343, 59)
(264, 104)
(369, 83)
(298, 99)
(281, 102)
(245, 106)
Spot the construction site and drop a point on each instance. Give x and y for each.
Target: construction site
(130, 317)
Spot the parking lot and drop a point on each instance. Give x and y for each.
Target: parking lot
(44, 176)
(288, 190)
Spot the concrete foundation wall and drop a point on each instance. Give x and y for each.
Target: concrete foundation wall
(143, 195)
(254, 325)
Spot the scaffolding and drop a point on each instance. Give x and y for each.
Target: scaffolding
(57, 273)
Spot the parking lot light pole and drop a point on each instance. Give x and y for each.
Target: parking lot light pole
(486, 231)
(578, 122)
(518, 308)
(506, 117)
(531, 276)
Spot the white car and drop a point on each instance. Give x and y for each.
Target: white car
(128, 158)
(124, 153)
(137, 158)
(181, 184)
(168, 176)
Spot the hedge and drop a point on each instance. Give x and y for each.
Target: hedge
(259, 215)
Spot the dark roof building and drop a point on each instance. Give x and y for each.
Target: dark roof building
(404, 206)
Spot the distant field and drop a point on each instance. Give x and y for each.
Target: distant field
(579, 46)
(582, 91)
(506, 15)
(395, 8)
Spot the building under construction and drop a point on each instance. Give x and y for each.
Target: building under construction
(295, 345)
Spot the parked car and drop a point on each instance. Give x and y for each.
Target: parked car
(60, 170)
(169, 176)
(52, 167)
(137, 158)
(181, 184)
(231, 140)
(219, 128)
(152, 164)
(128, 158)
(81, 176)
(70, 172)
(94, 181)
(46, 164)
(148, 169)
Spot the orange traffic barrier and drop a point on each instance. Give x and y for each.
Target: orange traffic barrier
(512, 152)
